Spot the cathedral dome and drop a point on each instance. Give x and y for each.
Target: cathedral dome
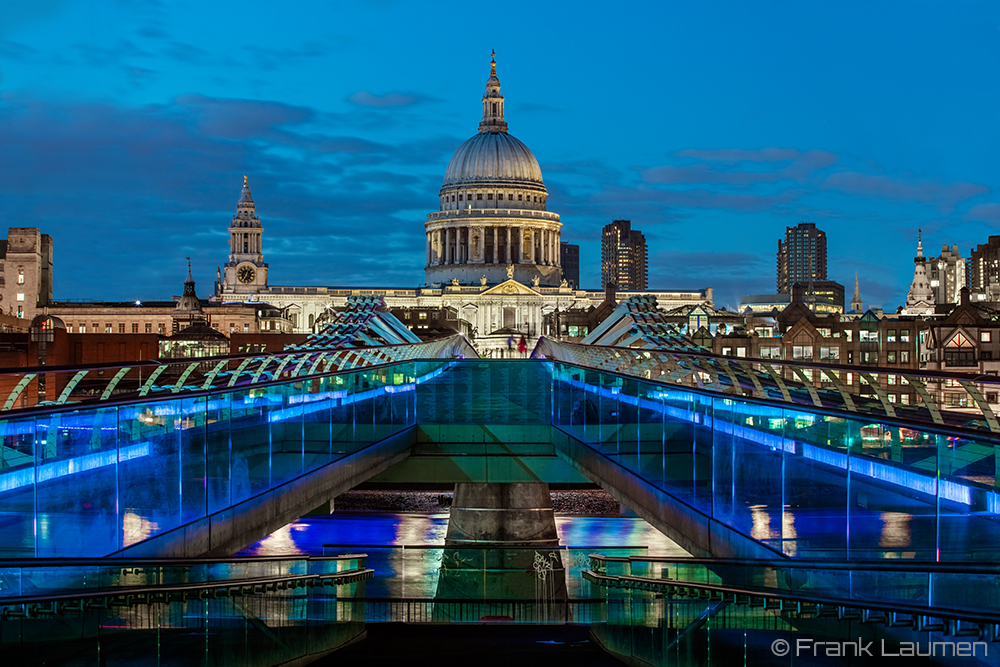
(492, 157)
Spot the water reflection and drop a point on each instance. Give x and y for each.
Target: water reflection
(407, 552)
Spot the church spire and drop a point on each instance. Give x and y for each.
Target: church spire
(856, 304)
(493, 120)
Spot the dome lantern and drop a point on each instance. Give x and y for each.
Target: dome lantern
(493, 103)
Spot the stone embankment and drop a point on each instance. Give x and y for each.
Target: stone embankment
(563, 502)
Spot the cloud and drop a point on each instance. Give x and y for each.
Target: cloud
(741, 154)
(985, 212)
(366, 99)
(704, 173)
(700, 198)
(925, 191)
(236, 118)
(143, 187)
(767, 165)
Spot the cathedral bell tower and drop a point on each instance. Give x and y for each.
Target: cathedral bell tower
(246, 272)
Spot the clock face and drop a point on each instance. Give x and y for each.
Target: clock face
(246, 275)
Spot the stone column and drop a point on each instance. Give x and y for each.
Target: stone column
(509, 258)
(496, 248)
(448, 257)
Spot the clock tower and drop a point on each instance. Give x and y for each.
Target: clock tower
(246, 272)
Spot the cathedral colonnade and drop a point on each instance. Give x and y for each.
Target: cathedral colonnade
(478, 242)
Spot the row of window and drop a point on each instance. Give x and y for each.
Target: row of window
(489, 196)
(826, 354)
(110, 328)
(134, 328)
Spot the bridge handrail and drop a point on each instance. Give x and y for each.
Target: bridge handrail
(26, 389)
(758, 379)
(920, 614)
(965, 591)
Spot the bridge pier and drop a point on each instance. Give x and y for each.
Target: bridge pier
(502, 544)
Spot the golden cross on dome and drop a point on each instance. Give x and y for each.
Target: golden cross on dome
(244, 180)
(493, 63)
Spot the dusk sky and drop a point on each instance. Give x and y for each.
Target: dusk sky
(126, 128)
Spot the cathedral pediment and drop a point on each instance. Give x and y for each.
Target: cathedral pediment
(511, 288)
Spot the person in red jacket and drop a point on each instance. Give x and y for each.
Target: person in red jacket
(522, 345)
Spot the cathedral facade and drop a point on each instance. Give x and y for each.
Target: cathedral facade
(492, 251)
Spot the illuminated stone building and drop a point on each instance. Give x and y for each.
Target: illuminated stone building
(492, 265)
(25, 272)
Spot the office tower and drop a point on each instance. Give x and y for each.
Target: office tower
(801, 257)
(569, 256)
(623, 256)
(947, 275)
(983, 270)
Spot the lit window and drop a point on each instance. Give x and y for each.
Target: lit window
(246, 328)
(985, 336)
(904, 336)
(149, 327)
(20, 277)
(904, 357)
(160, 329)
(891, 336)
(96, 328)
(20, 311)
(20, 296)
(802, 352)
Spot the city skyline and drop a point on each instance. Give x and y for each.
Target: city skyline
(127, 141)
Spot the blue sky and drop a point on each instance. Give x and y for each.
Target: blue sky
(126, 128)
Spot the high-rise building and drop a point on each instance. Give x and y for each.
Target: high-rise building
(947, 275)
(623, 256)
(569, 257)
(983, 270)
(801, 257)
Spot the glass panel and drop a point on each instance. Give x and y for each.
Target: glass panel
(149, 477)
(76, 485)
(17, 488)
(218, 464)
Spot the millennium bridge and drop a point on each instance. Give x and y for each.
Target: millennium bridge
(125, 490)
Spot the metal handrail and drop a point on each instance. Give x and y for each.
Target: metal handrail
(896, 565)
(238, 586)
(671, 586)
(749, 384)
(324, 363)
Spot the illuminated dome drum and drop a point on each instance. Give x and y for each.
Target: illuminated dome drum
(493, 223)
